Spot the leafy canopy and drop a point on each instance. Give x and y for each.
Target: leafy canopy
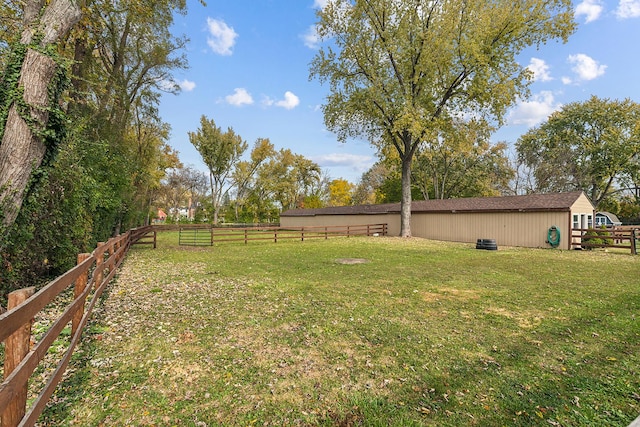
(593, 146)
(400, 70)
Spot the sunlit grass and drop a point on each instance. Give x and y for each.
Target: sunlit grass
(423, 333)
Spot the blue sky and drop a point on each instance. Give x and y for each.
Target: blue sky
(249, 69)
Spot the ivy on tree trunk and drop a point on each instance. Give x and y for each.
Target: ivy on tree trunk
(26, 120)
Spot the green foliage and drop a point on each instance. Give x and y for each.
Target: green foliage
(108, 153)
(629, 211)
(462, 162)
(54, 225)
(220, 151)
(400, 72)
(589, 146)
(11, 94)
(9, 91)
(592, 238)
(391, 190)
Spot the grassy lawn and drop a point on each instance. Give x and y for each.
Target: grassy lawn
(424, 333)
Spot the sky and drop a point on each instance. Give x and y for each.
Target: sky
(249, 70)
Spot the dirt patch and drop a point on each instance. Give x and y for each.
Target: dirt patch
(350, 261)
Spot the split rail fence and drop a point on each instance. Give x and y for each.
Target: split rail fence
(89, 279)
(623, 237)
(205, 235)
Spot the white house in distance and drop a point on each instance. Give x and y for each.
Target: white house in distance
(510, 220)
(607, 219)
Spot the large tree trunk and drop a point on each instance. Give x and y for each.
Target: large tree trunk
(22, 149)
(405, 205)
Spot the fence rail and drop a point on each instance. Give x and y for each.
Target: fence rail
(224, 235)
(206, 235)
(89, 279)
(623, 237)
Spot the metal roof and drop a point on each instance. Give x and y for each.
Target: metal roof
(525, 203)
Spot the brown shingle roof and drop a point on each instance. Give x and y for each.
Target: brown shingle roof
(529, 203)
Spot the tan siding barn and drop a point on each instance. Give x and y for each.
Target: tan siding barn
(510, 220)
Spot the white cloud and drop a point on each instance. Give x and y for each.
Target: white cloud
(628, 9)
(540, 70)
(239, 98)
(311, 38)
(585, 68)
(534, 111)
(221, 38)
(289, 102)
(187, 85)
(592, 9)
(356, 162)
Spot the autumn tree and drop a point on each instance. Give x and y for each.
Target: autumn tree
(400, 70)
(287, 178)
(220, 151)
(273, 180)
(340, 192)
(243, 176)
(462, 162)
(593, 146)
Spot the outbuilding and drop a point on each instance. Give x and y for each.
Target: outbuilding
(607, 219)
(524, 221)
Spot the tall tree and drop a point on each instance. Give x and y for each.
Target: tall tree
(243, 176)
(220, 151)
(462, 162)
(32, 84)
(400, 69)
(593, 146)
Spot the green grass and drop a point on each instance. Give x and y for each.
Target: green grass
(424, 333)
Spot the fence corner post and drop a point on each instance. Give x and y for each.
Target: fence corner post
(81, 284)
(16, 348)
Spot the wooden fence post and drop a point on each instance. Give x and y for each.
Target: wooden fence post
(16, 349)
(99, 262)
(302, 234)
(81, 284)
(634, 248)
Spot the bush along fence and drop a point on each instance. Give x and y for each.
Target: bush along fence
(624, 237)
(89, 279)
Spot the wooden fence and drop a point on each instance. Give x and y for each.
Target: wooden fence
(623, 237)
(89, 279)
(206, 235)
